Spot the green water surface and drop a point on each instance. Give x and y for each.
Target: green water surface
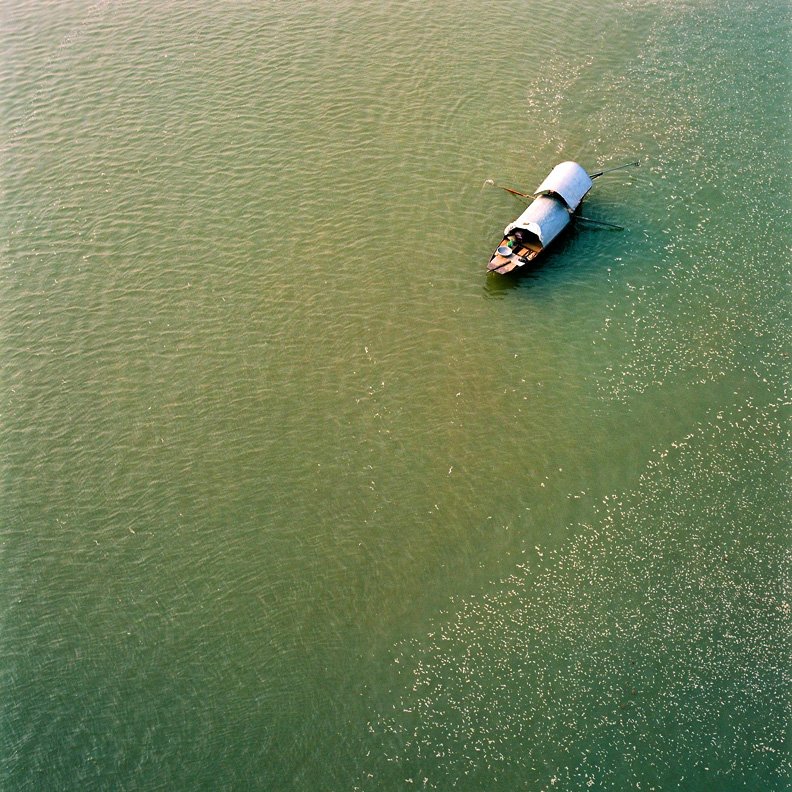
(295, 496)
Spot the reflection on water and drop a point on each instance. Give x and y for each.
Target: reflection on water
(632, 645)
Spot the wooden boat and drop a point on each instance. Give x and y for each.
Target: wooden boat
(555, 201)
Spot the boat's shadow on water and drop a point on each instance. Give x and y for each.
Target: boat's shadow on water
(498, 286)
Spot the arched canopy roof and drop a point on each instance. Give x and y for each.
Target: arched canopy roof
(569, 181)
(546, 217)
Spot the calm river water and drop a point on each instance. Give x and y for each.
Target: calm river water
(294, 495)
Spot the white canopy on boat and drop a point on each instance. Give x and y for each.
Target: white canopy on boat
(546, 217)
(569, 181)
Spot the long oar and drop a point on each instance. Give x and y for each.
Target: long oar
(599, 222)
(618, 167)
(514, 192)
(508, 189)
